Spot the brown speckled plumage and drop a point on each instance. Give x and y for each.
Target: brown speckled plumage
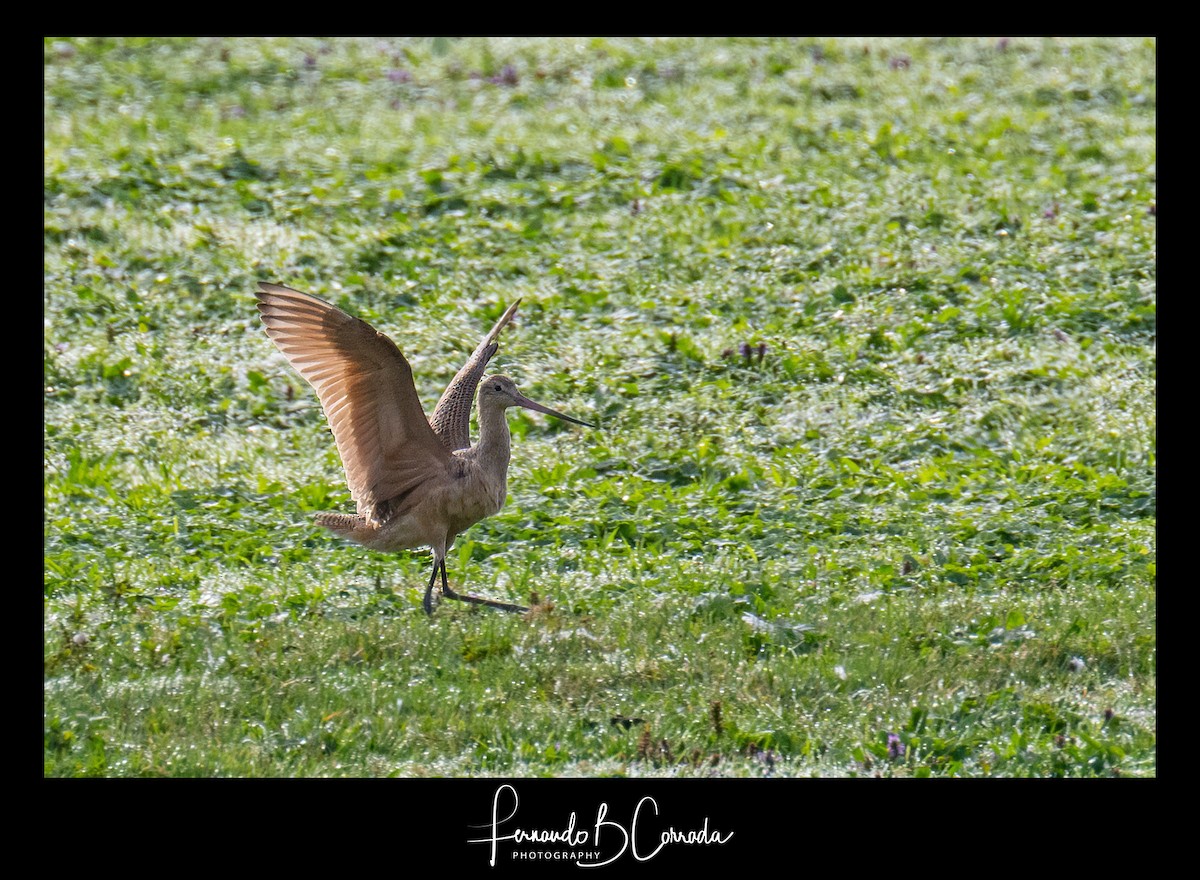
(451, 419)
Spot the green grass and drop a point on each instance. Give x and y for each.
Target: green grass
(926, 510)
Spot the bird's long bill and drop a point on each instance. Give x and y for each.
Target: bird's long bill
(524, 401)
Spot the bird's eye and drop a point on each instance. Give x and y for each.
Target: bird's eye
(495, 387)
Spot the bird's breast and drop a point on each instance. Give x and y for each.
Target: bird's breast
(480, 493)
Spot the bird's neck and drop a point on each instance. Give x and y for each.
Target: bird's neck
(494, 443)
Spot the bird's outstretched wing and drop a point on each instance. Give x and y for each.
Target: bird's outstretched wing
(365, 386)
(451, 418)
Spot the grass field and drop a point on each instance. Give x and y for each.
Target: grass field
(868, 327)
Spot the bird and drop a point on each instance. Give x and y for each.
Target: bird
(415, 481)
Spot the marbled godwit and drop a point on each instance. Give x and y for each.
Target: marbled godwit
(415, 481)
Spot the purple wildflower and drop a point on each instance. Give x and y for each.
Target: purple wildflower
(506, 77)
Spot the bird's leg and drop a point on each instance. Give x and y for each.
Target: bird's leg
(475, 600)
(428, 603)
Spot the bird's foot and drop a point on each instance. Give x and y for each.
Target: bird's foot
(479, 600)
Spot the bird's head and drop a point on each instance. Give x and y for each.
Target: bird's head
(502, 391)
